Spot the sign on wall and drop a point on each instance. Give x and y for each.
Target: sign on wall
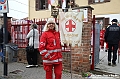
(85, 15)
(4, 6)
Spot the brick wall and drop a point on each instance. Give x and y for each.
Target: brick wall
(21, 57)
(79, 56)
(9, 22)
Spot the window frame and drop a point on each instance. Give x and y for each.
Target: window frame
(105, 21)
(67, 1)
(93, 1)
(39, 5)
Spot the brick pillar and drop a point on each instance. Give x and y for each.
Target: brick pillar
(80, 55)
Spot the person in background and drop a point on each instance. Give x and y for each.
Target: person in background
(1, 42)
(112, 37)
(50, 50)
(102, 32)
(32, 56)
(106, 44)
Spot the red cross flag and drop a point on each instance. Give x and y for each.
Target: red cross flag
(70, 26)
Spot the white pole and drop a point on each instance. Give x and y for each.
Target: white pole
(71, 61)
(70, 51)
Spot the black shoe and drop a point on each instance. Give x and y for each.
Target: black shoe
(109, 63)
(113, 65)
(35, 65)
(29, 66)
(2, 61)
(106, 50)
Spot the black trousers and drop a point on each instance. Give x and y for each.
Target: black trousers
(32, 57)
(1, 52)
(114, 48)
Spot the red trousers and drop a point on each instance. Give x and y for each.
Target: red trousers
(57, 68)
(106, 46)
(102, 44)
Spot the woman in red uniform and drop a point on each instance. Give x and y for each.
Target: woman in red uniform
(102, 38)
(50, 50)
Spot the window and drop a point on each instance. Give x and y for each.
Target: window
(104, 22)
(97, 1)
(60, 3)
(67, 3)
(41, 4)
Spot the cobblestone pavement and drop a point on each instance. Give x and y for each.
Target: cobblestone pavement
(18, 71)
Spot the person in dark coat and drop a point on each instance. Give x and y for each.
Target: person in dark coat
(1, 41)
(112, 37)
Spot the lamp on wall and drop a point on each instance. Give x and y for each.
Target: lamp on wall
(54, 11)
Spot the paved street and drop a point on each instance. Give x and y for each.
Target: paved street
(18, 71)
(103, 65)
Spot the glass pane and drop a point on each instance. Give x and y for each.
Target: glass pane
(96, 1)
(101, 0)
(100, 22)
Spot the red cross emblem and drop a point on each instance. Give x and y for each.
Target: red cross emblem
(70, 26)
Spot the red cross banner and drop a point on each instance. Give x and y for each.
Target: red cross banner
(70, 26)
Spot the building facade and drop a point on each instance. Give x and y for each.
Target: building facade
(104, 10)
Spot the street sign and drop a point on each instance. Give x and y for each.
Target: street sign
(2, 1)
(4, 6)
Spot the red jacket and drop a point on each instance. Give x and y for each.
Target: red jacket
(102, 32)
(50, 47)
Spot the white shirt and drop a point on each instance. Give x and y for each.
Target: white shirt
(36, 38)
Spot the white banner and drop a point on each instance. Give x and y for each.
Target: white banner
(70, 26)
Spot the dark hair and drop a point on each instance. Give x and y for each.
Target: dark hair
(114, 20)
(34, 26)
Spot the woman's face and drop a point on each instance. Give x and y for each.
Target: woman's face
(51, 26)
